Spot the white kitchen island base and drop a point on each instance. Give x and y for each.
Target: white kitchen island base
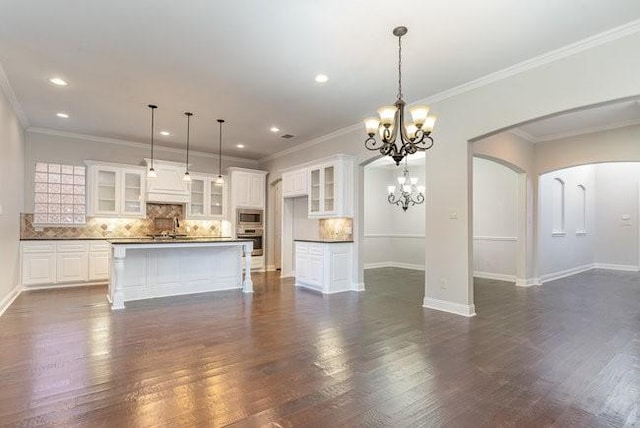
(148, 269)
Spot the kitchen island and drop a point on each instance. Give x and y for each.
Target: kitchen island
(145, 268)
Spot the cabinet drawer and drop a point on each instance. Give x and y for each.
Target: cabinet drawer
(99, 246)
(72, 247)
(315, 249)
(38, 247)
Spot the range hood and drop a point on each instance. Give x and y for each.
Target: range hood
(167, 187)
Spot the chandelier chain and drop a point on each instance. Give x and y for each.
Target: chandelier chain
(400, 67)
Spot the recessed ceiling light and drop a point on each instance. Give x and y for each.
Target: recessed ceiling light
(58, 81)
(322, 78)
(62, 115)
(274, 129)
(165, 133)
(240, 146)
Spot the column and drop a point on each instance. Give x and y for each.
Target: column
(247, 286)
(117, 279)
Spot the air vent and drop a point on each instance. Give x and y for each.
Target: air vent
(287, 136)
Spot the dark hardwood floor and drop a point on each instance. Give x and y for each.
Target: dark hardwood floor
(564, 354)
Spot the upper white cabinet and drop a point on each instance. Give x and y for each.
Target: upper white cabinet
(208, 200)
(116, 190)
(330, 188)
(295, 183)
(248, 188)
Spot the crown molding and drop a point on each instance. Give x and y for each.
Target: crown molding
(585, 131)
(95, 139)
(599, 39)
(5, 85)
(524, 135)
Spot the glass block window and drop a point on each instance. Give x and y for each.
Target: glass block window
(60, 194)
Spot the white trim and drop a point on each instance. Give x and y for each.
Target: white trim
(537, 61)
(56, 286)
(584, 131)
(95, 139)
(6, 87)
(624, 268)
(496, 276)
(270, 268)
(558, 234)
(9, 298)
(398, 265)
(527, 282)
(358, 286)
(451, 307)
(581, 233)
(522, 134)
(392, 235)
(495, 238)
(291, 274)
(565, 273)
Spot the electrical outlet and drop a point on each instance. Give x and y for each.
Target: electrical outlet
(453, 214)
(443, 284)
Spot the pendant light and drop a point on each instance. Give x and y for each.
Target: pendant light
(220, 179)
(187, 177)
(151, 173)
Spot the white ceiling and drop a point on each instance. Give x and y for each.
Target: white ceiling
(253, 62)
(583, 121)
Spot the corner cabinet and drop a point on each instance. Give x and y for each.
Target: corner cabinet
(208, 200)
(324, 266)
(115, 190)
(330, 189)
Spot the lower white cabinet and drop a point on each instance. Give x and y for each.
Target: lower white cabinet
(324, 266)
(64, 262)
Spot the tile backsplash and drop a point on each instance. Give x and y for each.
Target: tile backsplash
(339, 229)
(102, 227)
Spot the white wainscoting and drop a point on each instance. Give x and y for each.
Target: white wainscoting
(405, 251)
(494, 257)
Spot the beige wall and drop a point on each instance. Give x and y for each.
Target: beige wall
(11, 185)
(594, 75)
(76, 149)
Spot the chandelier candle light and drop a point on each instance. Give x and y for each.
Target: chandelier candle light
(400, 139)
(410, 193)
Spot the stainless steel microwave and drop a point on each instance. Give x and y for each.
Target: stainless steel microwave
(249, 218)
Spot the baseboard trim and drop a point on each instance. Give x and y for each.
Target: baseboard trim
(287, 275)
(358, 286)
(527, 282)
(8, 300)
(565, 273)
(451, 307)
(495, 276)
(57, 286)
(271, 268)
(608, 266)
(399, 265)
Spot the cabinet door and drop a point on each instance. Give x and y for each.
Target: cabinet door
(288, 184)
(105, 191)
(316, 268)
(328, 187)
(300, 182)
(240, 184)
(217, 198)
(196, 208)
(314, 191)
(132, 202)
(99, 262)
(38, 268)
(256, 190)
(72, 267)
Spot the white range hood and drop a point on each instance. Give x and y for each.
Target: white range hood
(168, 187)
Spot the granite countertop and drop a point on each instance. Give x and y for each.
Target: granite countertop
(64, 239)
(136, 239)
(194, 240)
(325, 241)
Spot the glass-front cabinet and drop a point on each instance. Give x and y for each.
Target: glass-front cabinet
(329, 186)
(115, 191)
(208, 199)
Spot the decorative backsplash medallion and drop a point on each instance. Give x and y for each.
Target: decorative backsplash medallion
(98, 227)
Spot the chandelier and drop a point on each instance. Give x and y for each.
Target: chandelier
(409, 192)
(400, 139)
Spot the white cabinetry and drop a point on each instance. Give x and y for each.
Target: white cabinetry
(295, 183)
(330, 188)
(208, 200)
(168, 186)
(248, 188)
(64, 262)
(116, 190)
(324, 266)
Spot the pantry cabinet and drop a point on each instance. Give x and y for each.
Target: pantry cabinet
(248, 188)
